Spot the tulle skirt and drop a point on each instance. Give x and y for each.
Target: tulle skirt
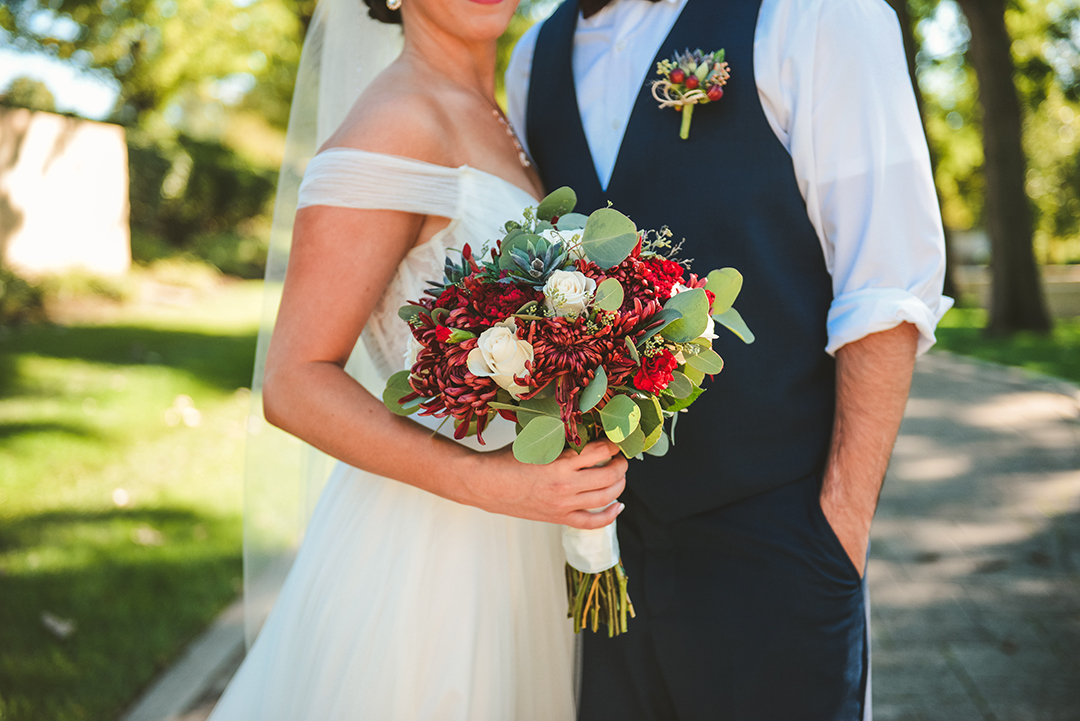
(402, 605)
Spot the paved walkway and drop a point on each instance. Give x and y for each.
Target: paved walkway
(975, 567)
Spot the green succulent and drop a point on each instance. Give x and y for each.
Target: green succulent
(534, 262)
(453, 273)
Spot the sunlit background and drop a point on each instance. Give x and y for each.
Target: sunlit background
(150, 133)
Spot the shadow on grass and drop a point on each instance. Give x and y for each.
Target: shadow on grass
(8, 430)
(138, 584)
(221, 360)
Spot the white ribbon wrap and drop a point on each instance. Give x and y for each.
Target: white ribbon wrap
(591, 551)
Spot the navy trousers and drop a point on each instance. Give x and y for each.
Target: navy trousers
(749, 612)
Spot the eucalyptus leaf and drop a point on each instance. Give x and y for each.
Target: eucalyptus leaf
(661, 447)
(679, 404)
(594, 392)
(439, 315)
(725, 284)
(530, 409)
(633, 444)
(694, 306)
(734, 322)
(620, 417)
(696, 377)
(707, 361)
(397, 387)
(680, 386)
(665, 316)
(540, 441)
(608, 237)
(633, 350)
(547, 391)
(652, 419)
(609, 295)
(571, 221)
(558, 202)
(408, 312)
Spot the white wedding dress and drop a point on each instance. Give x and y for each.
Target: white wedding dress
(401, 605)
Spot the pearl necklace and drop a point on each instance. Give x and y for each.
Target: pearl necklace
(523, 157)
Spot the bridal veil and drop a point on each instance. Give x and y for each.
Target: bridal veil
(343, 51)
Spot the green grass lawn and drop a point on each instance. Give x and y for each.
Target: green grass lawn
(1057, 354)
(121, 448)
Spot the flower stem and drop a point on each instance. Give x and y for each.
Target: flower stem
(598, 598)
(687, 113)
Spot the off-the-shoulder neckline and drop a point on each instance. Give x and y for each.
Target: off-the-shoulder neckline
(445, 168)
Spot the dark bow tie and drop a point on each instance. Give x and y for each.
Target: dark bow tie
(591, 7)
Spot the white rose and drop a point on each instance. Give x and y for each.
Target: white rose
(568, 291)
(500, 355)
(411, 351)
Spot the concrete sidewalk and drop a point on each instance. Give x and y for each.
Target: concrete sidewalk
(974, 572)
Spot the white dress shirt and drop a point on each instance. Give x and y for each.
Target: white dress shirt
(834, 84)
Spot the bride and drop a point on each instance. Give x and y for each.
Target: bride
(429, 583)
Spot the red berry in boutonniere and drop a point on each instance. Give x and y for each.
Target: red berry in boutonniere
(689, 79)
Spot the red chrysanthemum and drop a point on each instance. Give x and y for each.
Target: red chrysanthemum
(487, 302)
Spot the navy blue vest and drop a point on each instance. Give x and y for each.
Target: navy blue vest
(730, 191)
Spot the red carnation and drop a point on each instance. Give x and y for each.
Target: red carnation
(442, 333)
(656, 372)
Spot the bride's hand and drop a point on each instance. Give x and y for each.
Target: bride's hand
(559, 492)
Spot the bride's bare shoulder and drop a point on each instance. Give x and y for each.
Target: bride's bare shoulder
(397, 118)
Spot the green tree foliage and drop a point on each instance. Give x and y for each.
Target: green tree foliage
(1045, 38)
(159, 49)
(198, 188)
(28, 93)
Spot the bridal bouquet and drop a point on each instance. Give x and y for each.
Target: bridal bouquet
(575, 329)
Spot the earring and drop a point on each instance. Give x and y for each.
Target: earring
(393, 4)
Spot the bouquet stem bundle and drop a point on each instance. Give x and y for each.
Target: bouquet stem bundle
(598, 598)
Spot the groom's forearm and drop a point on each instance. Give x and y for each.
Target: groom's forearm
(873, 378)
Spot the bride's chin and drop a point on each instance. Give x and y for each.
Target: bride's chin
(471, 19)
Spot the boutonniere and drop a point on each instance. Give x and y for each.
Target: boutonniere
(690, 78)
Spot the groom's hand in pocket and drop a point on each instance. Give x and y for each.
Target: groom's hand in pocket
(560, 492)
(873, 377)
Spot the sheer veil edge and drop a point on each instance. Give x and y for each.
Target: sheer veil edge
(343, 51)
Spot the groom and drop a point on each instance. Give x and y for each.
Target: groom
(746, 544)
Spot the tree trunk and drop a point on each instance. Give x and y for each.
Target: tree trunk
(911, 49)
(1016, 298)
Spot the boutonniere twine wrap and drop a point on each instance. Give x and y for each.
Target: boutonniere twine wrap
(574, 328)
(690, 78)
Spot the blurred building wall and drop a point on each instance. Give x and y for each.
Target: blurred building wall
(63, 194)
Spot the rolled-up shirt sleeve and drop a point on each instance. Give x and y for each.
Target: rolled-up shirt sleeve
(861, 159)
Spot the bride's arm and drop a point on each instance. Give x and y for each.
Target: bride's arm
(341, 262)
